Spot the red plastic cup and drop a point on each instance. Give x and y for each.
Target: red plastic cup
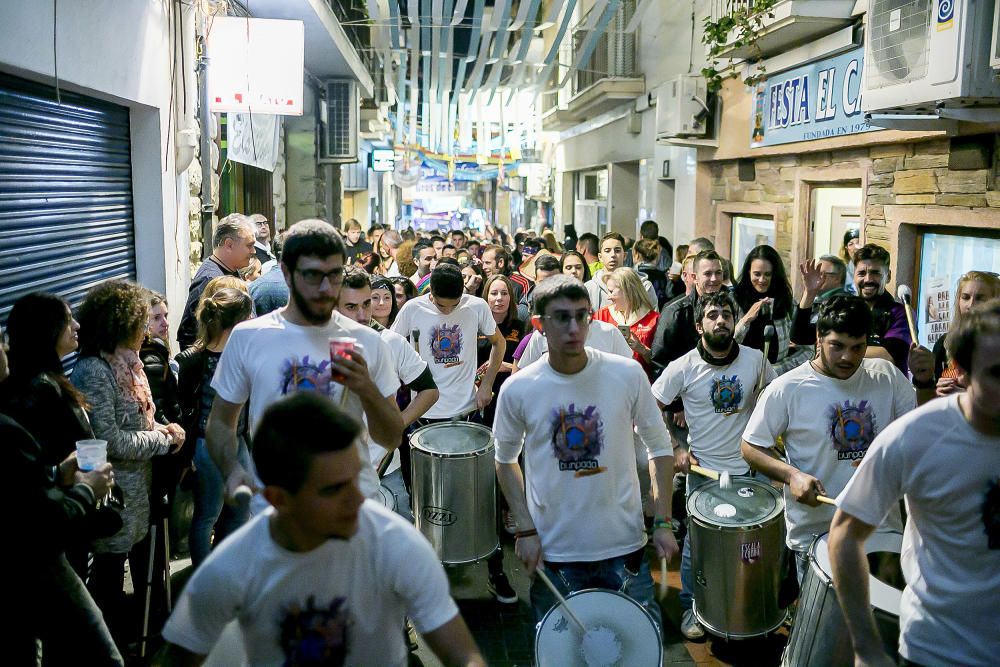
(340, 346)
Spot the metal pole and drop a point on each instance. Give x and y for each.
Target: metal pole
(205, 118)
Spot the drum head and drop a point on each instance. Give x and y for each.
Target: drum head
(748, 502)
(452, 439)
(883, 596)
(619, 633)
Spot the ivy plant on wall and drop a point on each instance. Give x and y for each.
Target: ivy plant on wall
(737, 28)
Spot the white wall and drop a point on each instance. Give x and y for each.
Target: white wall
(117, 50)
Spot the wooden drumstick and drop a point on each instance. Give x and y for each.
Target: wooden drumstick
(769, 333)
(904, 294)
(704, 472)
(826, 500)
(562, 601)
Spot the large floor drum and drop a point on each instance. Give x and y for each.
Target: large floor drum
(819, 636)
(737, 536)
(454, 490)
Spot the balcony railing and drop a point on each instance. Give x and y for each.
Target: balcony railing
(615, 55)
(721, 8)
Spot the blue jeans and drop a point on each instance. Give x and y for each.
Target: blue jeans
(628, 574)
(394, 482)
(210, 510)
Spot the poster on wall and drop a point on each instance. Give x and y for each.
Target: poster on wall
(816, 101)
(944, 258)
(253, 139)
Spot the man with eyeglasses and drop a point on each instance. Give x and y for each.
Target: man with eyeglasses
(578, 506)
(288, 351)
(444, 325)
(262, 244)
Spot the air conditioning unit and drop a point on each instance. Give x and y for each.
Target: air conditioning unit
(925, 55)
(339, 125)
(682, 108)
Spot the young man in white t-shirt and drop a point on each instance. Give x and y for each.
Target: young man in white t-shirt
(323, 575)
(572, 414)
(944, 460)
(828, 411)
(718, 382)
(288, 350)
(445, 325)
(355, 302)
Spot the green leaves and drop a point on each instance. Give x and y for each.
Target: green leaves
(737, 29)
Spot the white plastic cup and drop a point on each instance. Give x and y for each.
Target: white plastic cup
(91, 454)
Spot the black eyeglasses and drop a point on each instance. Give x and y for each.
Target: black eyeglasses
(314, 277)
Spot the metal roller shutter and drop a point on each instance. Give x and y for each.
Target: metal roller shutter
(66, 220)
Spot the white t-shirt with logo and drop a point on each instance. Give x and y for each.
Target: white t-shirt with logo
(949, 474)
(346, 599)
(718, 401)
(269, 357)
(448, 345)
(828, 426)
(408, 366)
(581, 481)
(600, 336)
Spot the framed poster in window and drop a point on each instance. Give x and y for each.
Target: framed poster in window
(748, 233)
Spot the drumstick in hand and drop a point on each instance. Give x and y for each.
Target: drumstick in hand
(904, 294)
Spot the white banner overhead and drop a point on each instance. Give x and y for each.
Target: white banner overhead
(256, 66)
(253, 139)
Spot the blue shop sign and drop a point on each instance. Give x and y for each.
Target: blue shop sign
(816, 101)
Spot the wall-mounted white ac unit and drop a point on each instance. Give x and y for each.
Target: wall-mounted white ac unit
(338, 141)
(923, 55)
(682, 107)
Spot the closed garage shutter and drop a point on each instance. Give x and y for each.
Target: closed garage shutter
(66, 221)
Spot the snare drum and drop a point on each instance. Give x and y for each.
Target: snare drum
(624, 632)
(386, 497)
(737, 536)
(454, 490)
(819, 636)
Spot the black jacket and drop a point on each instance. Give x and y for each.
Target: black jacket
(190, 385)
(53, 419)
(187, 332)
(155, 357)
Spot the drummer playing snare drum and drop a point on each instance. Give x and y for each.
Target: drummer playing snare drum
(828, 411)
(944, 459)
(574, 411)
(717, 382)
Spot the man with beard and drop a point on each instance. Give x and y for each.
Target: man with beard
(289, 350)
(572, 414)
(890, 335)
(717, 382)
(612, 257)
(828, 411)
(322, 576)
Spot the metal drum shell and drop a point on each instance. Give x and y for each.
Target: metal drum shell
(454, 497)
(819, 635)
(736, 597)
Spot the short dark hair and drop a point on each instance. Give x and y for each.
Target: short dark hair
(591, 241)
(421, 245)
(871, 252)
(311, 238)
(435, 238)
(295, 429)
(848, 315)
(613, 235)
(446, 281)
(357, 278)
(457, 232)
(960, 343)
(648, 249)
(649, 229)
(500, 253)
(709, 255)
(547, 263)
(722, 299)
(473, 242)
(558, 287)
(448, 246)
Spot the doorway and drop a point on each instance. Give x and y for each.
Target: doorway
(833, 211)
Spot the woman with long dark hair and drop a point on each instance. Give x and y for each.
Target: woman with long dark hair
(384, 306)
(37, 394)
(574, 264)
(764, 297)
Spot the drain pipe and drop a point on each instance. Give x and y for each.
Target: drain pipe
(205, 117)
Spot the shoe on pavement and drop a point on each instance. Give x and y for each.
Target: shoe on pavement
(690, 627)
(500, 588)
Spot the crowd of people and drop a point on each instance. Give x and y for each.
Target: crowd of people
(606, 367)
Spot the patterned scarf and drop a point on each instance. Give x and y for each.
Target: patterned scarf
(132, 382)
